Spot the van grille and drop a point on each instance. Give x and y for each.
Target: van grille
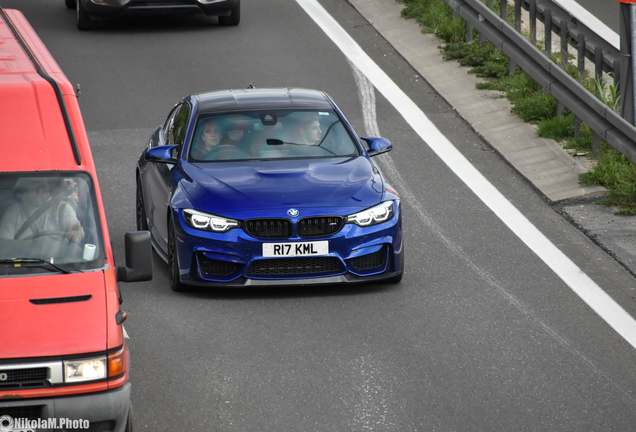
(32, 412)
(23, 378)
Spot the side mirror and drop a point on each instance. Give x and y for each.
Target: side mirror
(161, 154)
(138, 258)
(377, 146)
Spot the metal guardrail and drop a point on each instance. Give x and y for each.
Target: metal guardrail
(604, 122)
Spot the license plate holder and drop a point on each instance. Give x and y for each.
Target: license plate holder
(295, 249)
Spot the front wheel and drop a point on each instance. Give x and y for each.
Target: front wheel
(129, 420)
(173, 261)
(142, 221)
(84, 21)
(234, 18)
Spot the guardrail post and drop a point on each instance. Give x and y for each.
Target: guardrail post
(626, 86)
(503, 14)
(533, 22)
(596, 145)
(564, 59)
(598, 76)
(581, 69)
(564, 43)
(547, 23)
(518, 16)
(580, 55)
(503, 10)
(598, 67)
(616, 67)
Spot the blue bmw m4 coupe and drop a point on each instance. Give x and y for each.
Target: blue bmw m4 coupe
(254, 187)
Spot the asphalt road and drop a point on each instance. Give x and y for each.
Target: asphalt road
(480, 334)
(605, 10)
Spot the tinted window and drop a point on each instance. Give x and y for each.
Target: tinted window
(180, 125)
(271, 135)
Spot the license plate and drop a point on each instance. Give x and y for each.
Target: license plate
(271, 250)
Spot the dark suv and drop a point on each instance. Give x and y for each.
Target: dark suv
(89, 12)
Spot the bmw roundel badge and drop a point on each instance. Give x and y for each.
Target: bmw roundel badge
(293, 212)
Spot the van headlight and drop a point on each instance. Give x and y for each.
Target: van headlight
(85, 369)
(374, 215)
(208, 222)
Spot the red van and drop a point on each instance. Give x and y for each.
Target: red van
(63, 356)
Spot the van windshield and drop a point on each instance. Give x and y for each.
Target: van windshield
(49, 218)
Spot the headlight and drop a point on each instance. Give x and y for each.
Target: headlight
(375, 215)
(85, 370)
(208, 222)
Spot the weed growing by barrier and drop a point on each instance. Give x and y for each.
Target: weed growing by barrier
(530, 102)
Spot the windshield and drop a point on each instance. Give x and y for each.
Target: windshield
(269, 135)
(50, 217)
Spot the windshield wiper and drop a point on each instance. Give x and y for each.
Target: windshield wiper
(18, 262)
(274, 141)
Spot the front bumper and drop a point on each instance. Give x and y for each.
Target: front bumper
(106, 411)
(105, 9)
(234, 259)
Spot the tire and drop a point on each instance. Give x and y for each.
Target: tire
(129, 420)
(234, 18)
(140, 211)
(71, 4)
(173, 261)
(84, 21)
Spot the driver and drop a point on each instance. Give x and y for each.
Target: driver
(56, 216)
(309, 130)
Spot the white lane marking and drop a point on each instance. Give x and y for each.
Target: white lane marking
(574, 277)
(590, 21)
(366, 93)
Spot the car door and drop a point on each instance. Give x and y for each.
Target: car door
(159, 182)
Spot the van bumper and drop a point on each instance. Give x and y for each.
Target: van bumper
(106, 411)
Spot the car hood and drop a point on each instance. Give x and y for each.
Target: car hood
(232, 186)
(34, 325)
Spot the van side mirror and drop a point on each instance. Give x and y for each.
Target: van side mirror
(377, 145)
(138, 258)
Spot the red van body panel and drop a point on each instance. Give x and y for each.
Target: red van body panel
(41, 330)
(31, 121)
(63, 321)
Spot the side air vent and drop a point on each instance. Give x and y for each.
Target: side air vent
(55, 300)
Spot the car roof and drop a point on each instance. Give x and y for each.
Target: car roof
(262, 98)
(33, 127)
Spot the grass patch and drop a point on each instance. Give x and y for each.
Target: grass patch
(557, 128)
(530, 102)
(436, 17)
(618, 175)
